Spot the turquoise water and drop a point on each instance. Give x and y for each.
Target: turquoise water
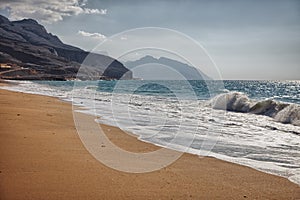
(286, 91)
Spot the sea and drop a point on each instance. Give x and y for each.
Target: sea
(157, 111)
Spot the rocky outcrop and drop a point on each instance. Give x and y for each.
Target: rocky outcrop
(28, 51)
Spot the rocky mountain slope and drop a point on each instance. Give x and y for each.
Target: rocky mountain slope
(29, 52)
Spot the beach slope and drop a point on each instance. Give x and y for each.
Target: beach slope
(42, 157)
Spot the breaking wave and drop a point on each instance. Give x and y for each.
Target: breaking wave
(288, 113)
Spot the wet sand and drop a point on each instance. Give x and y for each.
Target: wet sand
(42, 157)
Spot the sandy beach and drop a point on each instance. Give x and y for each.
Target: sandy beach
(42, 157)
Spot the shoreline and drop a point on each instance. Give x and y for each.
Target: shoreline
(22, 165)
(79, 108)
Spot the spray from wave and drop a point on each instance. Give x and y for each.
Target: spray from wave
(287, 113)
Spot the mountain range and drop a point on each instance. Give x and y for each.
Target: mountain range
(149, 67)
(29, 52)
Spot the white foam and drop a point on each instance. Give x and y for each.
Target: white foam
(253, 140)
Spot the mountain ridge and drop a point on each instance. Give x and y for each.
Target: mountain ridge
(186, 71)
(29, 52)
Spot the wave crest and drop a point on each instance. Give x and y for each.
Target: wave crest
(233, 101)
(240, 102)
(290, 114)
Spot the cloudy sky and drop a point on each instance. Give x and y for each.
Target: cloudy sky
(257, 39)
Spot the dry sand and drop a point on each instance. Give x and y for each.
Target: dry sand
(42, 157)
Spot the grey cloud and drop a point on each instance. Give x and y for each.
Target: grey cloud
(47, 11)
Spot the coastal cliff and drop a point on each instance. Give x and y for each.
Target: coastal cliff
(29, 52)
